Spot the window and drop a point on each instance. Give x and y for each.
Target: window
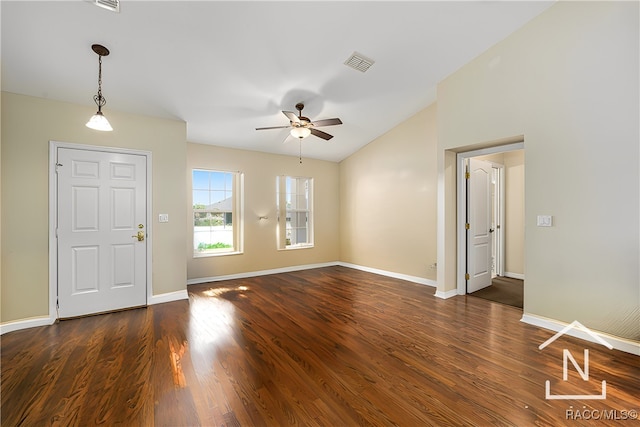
(295, 215)
(216, 212)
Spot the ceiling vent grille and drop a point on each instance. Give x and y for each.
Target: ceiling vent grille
(112, 5)
(359, 62)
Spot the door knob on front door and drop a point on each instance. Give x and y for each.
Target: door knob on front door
(140, 236)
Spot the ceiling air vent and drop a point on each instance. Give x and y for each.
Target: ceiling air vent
(112, 5)
(359, 62)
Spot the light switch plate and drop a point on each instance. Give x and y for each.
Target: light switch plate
(545, 221)
(163, 218)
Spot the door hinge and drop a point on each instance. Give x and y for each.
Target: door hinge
(466, 276)
(467, 175)
(467, 226)
(57, 166)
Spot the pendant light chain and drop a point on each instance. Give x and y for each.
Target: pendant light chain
(99, 99)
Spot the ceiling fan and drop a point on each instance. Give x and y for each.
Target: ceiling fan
(302, 127)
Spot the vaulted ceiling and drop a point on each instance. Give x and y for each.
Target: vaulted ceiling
(226, 68)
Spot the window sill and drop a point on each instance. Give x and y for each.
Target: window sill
(213, 254)
(293, 248)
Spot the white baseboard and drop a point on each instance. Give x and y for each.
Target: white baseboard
(514, 275)
(259, 273)
(446, 294)
(168, 297)
(183, 294)
(414, 279)
(32, 322)
(48, 321)
(618, 343)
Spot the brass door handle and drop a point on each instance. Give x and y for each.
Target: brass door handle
(140, 236)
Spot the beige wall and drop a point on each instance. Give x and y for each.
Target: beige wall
(513, 162)
(388, 200)
(568, 82)
(1, 299)
(260, 172)
(28, 124)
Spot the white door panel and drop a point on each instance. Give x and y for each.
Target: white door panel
(479, 220)
(101, 206)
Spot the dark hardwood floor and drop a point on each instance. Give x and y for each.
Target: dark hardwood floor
(504, 290)
(324, 347)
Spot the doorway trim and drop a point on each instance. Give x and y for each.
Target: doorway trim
(499, 230)
(461, 199)
(53, 217)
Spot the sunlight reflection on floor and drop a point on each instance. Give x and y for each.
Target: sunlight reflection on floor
(214, 318)
(176, 352)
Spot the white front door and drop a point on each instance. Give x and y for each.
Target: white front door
(101, 216)
(479, 229)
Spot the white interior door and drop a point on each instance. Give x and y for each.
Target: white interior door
(479, 219)
(101, 216)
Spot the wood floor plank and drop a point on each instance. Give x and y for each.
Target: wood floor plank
(75, 380)
(323, 347)
(106, 403)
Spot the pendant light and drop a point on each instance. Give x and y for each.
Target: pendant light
(98, 121)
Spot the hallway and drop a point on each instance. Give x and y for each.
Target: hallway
(504, 290)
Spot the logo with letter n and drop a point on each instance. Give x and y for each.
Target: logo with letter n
(582, 371)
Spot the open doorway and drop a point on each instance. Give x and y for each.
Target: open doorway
(491, 232)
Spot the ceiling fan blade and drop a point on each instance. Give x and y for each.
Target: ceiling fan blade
(273, 127)
(327, 122)
(291, 116)
(320, 134)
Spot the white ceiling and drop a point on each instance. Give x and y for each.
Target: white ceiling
(226, 68)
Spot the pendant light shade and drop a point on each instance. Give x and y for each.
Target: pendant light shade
(98, 121)
(300, 132)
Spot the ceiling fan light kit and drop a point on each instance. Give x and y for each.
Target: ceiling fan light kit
(300, 132)
(98, 121)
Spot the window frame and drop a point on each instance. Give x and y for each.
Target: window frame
(283, 210)
(237, 213)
